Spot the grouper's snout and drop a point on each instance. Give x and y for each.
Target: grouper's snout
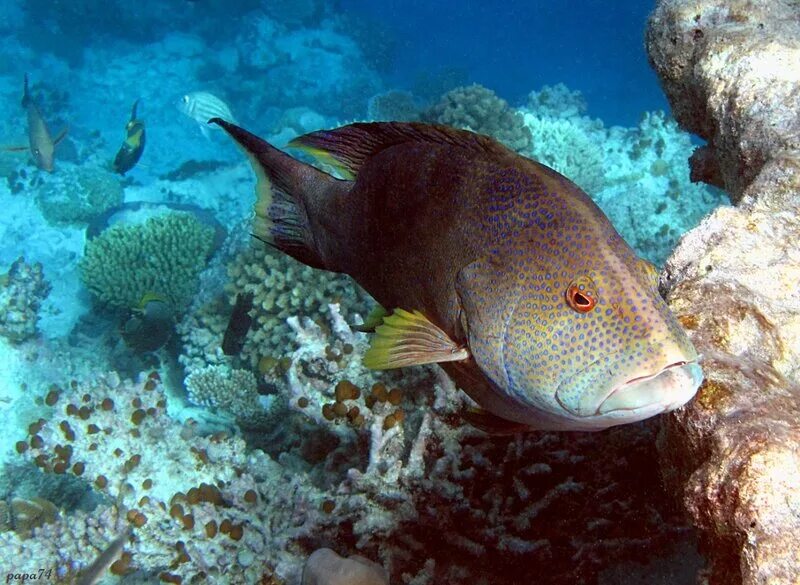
(663, 378)
(667, 390)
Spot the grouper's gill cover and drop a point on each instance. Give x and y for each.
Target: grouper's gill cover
(519, 284)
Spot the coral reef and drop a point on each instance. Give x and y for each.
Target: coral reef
(77, 194)
(376, 463)
(393, 106)
(22, 516)
(232, 391)
(21, 295)
(570, 147)
(281, 287)
(557, 101)
(162, 256)
(733, 454)
(479, 109)
(649, 195)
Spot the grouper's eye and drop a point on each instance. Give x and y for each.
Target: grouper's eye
(580, 295)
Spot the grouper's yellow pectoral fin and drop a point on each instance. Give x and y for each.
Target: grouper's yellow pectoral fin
(409, 339)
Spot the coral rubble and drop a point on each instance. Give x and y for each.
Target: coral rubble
(730, 70)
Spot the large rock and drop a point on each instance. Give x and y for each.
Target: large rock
(731, 69)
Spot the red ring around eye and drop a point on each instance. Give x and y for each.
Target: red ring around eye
(579, 300)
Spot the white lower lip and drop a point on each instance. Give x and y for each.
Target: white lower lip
(668, 389)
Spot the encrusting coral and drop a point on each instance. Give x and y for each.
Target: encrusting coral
(162, 256)
(732, 456)
(21, 297)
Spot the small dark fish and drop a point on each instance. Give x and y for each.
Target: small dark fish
(150, 325)
(132, 147)
(238, 325)
(495, 266)
(40, 143)
(97, 569)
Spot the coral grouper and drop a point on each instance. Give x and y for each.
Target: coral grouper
(495, 266)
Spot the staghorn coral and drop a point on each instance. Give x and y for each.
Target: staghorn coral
(731, 456)
(162, 256)
(77, 194)
(433, 501)
(21, 298)
(479, 109)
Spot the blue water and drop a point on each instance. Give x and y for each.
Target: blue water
(595, 46)
(118, 386)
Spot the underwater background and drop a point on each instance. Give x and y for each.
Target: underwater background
(130, 429)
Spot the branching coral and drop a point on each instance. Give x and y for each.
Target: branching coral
(570, 146)
(479, 109)
(201, 508)
(162, 256)
(376, 462)
(281, 287)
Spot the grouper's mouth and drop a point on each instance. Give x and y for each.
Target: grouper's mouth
(670, 388)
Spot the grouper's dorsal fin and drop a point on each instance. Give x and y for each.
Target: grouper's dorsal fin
(348, 147)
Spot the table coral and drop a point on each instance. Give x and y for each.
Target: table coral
(161, 256)
(732, 456)
(21, 298)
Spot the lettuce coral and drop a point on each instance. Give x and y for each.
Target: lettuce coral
(163, 256)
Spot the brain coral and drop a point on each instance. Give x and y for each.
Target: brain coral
(77, 194)
(479, 109)
(163, 255)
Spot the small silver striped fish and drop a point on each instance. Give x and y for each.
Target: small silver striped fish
(201, 106)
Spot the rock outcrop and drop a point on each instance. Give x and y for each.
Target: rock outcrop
(731, 70)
